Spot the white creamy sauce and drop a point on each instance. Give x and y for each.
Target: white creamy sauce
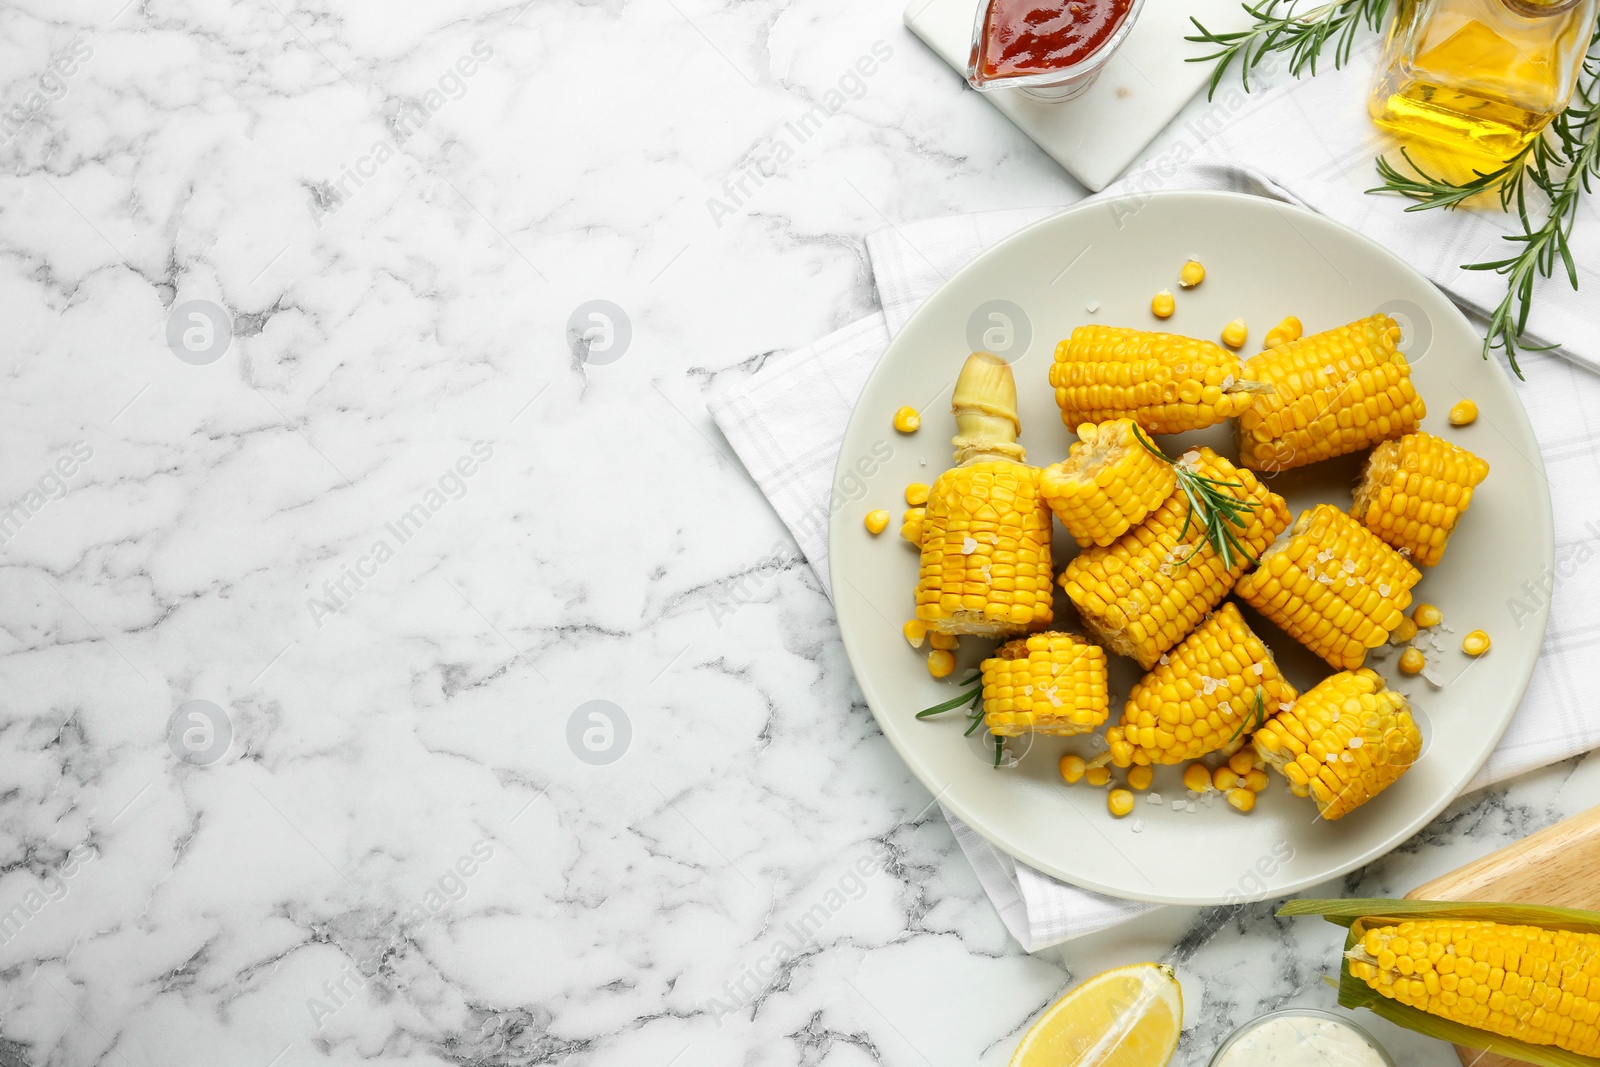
(1300, 1041)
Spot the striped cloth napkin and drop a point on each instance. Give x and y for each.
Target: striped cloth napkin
(786, 422)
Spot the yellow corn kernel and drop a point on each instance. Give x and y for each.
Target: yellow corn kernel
(1196, 778)
(1046, 683)
(1413, 492)
(1224, 778)
(1107, 484)
(941, 663)
(1476, 643)
(1243, 760)
(915, 630)
(1404, 632)
(1287, 330)
(947, 642)
(1120, 802)
(916, 494)
(1241, 798)
(1140, 777)
(1072, 768)
(1255, 780)
(1235, 334)
(1332, 585)
(1412, 661)
(1097, 776)
(1162, 304)
(1333, 393)
(1426, 615)
(1192, 274)
(911, 525)
(1165, 382)
(877, 522)
(1465, 413)
(906, 420)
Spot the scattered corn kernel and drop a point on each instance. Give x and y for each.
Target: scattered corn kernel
(906, 420)
(1120, 801)
(941, 663)
(1196, 778)
(1243, 799)
(1287, 330)
(877, 522)
(1192, 274)
(1224, 778)
(1242, 761)
(1140, 777)
(915, 631)
(916, 494)
(1097, 776)
(947, 642)
(1162, 305)
(1412, 661)
(1235, 334)
(1476, 643)
(1256, 780)
(1427, 615)
(1072, 768)
(1404, 632)
(911, 525)
(1465, 413)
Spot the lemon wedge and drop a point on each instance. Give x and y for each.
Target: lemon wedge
(1127, 1017)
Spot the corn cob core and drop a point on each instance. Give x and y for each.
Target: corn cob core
(1535, 985)
(1144, 592)
(1342, 742)
(1108, 483)
(1332, 585)
(1166, 383)
(1201, 696)
(1049, 683)
(1413, 492)
(1334, 393)
(985, 566)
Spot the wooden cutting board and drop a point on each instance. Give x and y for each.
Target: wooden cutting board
(1559, 866)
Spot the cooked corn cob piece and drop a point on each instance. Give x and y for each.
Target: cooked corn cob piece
(1332, 585)
(1108, 483)
(1413, 492)
(1049, 683)
(1524, 982)
(1166, 383)
(1206, 694)
(985, 529)
(1342, 742)
(1144, 592)
(1333, 393)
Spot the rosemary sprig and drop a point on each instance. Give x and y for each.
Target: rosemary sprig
(1211, 506)
(1280, 27)
(1257, 717)
(974, 713)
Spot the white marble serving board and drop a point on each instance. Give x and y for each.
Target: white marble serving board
(1095, 136)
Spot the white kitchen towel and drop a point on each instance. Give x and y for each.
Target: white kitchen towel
(787, 421)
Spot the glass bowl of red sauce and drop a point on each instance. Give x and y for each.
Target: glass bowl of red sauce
(1049, 49)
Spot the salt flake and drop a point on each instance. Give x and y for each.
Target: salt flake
(968, 547)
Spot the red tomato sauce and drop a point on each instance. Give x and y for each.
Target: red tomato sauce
(1035, 36)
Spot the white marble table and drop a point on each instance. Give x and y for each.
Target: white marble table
(325, 539)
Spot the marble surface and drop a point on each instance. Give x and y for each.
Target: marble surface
(394, 664)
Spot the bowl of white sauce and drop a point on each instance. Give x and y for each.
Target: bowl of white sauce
(1300, 1037)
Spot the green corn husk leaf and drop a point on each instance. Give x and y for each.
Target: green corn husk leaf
(1358, 916)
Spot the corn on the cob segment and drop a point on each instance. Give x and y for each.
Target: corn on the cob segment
(1342, 742)
(1333, 393)
(1049, 683)
(1535, 985)
(1108, 483)
(985, 565)
(1203, 696)
(1413, 491)
(1332, 585)
(1144, 592)
(1166, 383)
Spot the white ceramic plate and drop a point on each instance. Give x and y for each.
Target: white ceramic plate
(1264, 260)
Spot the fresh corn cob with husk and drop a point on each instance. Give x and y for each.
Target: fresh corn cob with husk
(1414, 490)
(1049, 683)
(1166, 383)
(985, 529)
(1332, 585)
(1333, 393)
(1342, 742)
(1216, 686)
(1144, 592)
(1108, 483)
